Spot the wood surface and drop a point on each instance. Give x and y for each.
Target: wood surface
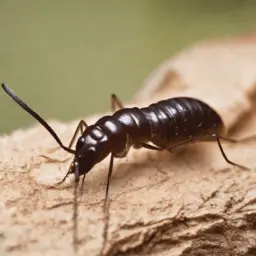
(190, 202)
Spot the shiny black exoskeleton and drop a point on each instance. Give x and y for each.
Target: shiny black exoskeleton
(166, 124)
(160, 126)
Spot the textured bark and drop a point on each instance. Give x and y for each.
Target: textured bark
(190, 202)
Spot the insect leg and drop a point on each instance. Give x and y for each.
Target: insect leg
(81, 126)
(75, 215)
(148, 146)
(225, 157)
(108, 180)
(242, 140)
(179, 144)
(82, 184)
(115, 103)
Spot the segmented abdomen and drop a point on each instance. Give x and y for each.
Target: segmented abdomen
(165, 123)
(178, 119)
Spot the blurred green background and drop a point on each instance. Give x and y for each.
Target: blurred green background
(65, 58)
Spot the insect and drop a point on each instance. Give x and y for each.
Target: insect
(160, 126)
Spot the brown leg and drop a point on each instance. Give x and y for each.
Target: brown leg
(115, 103)
(217, 138)
(151, 147)
(148, 146)
(75, 215)
(213, 138)
(243, 140)
(81, 126)
(179, 144)
(108, 181)
(224, 155)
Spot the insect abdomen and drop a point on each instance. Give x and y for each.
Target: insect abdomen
(178, 119)
(164, 123)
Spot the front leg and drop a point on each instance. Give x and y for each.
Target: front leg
(80, 127)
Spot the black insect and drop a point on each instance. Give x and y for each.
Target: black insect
(166, 124)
